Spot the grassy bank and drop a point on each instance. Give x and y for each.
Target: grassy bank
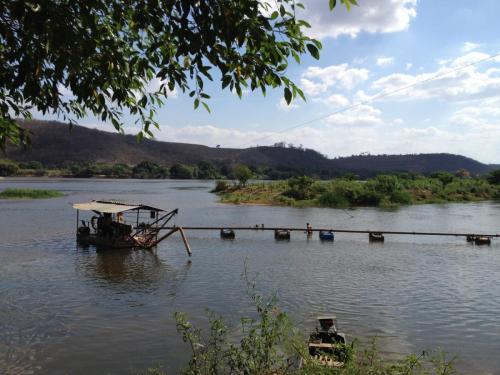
(29, 194)
(381, 191)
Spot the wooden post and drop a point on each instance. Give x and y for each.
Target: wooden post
(183, 235)
(136, 225)
(156, 219)
(77, 219)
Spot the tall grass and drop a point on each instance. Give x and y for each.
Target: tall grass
(29, 194)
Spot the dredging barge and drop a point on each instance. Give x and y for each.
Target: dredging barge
(109, 228)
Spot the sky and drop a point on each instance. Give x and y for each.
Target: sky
(377, 48)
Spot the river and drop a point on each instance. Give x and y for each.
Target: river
(67, 309)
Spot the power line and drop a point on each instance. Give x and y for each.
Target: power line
(380, 95)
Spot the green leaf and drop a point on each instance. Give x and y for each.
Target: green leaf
(313, 50)
(301, 94)
(206, 107)
(288, 95)
(196, 103)
(333, 3)
(225, 81)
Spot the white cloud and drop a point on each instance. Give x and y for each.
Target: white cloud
(360, 115)
(317, 80)
(155, 84)
(338, 137)
(384, 61)
(469, 83)
(381, 16)
(312, 88)
(408, 66)
(209, 135)
(362, 96)
(469, 46)
(282, 105)
(484, 115)
(468, 58)
(336, 101)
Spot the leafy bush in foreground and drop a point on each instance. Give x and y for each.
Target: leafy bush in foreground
(270, 345)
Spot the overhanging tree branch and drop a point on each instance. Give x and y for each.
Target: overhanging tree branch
(74, 58)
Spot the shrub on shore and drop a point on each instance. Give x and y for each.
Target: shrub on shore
(8, 168)
(382, 190)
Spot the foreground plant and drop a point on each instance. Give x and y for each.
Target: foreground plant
(268, 343)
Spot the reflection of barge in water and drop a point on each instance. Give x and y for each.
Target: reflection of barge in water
(108, 227)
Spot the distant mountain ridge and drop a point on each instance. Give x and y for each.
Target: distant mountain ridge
(53, 144)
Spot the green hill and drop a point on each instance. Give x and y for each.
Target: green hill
(53, 144)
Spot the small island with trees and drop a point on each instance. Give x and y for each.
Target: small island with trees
(385, 190)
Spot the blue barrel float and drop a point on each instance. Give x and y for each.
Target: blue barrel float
(326, 235)
(227, 233)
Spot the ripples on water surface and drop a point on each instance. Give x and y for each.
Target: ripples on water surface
(67, 309)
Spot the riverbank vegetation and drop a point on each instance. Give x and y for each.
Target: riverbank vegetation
(268, 343)
(381, 190)
(204, 170)
(29, 194)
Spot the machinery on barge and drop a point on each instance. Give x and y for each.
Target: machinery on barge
(119, 225)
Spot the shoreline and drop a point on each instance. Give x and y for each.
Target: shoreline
(384, 191)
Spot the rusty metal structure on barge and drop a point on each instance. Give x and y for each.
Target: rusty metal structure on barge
(107, 228)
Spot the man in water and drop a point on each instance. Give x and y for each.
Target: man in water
(309, 230)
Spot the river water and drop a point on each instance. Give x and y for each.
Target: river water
(71, 310)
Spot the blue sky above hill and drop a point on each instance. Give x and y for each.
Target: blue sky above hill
(380, 46)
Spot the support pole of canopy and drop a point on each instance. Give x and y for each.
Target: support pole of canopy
(186, 243)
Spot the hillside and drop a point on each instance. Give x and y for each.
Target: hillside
(54, 144)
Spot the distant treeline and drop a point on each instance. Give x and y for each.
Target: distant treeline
(202, 170)
(144, 170)
(383, 190)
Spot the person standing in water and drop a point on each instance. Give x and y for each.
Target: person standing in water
(309, 230)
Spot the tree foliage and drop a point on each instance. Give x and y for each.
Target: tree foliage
(494, 177)
(207, 171)
(8, 168)
(181, 171)
(73, 58)
(242, 174)
(149, 169)
(299, 187)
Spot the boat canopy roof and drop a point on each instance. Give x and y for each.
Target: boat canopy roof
(331, 317)
(112, 207)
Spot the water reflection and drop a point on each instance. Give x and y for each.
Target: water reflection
(128, 270)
